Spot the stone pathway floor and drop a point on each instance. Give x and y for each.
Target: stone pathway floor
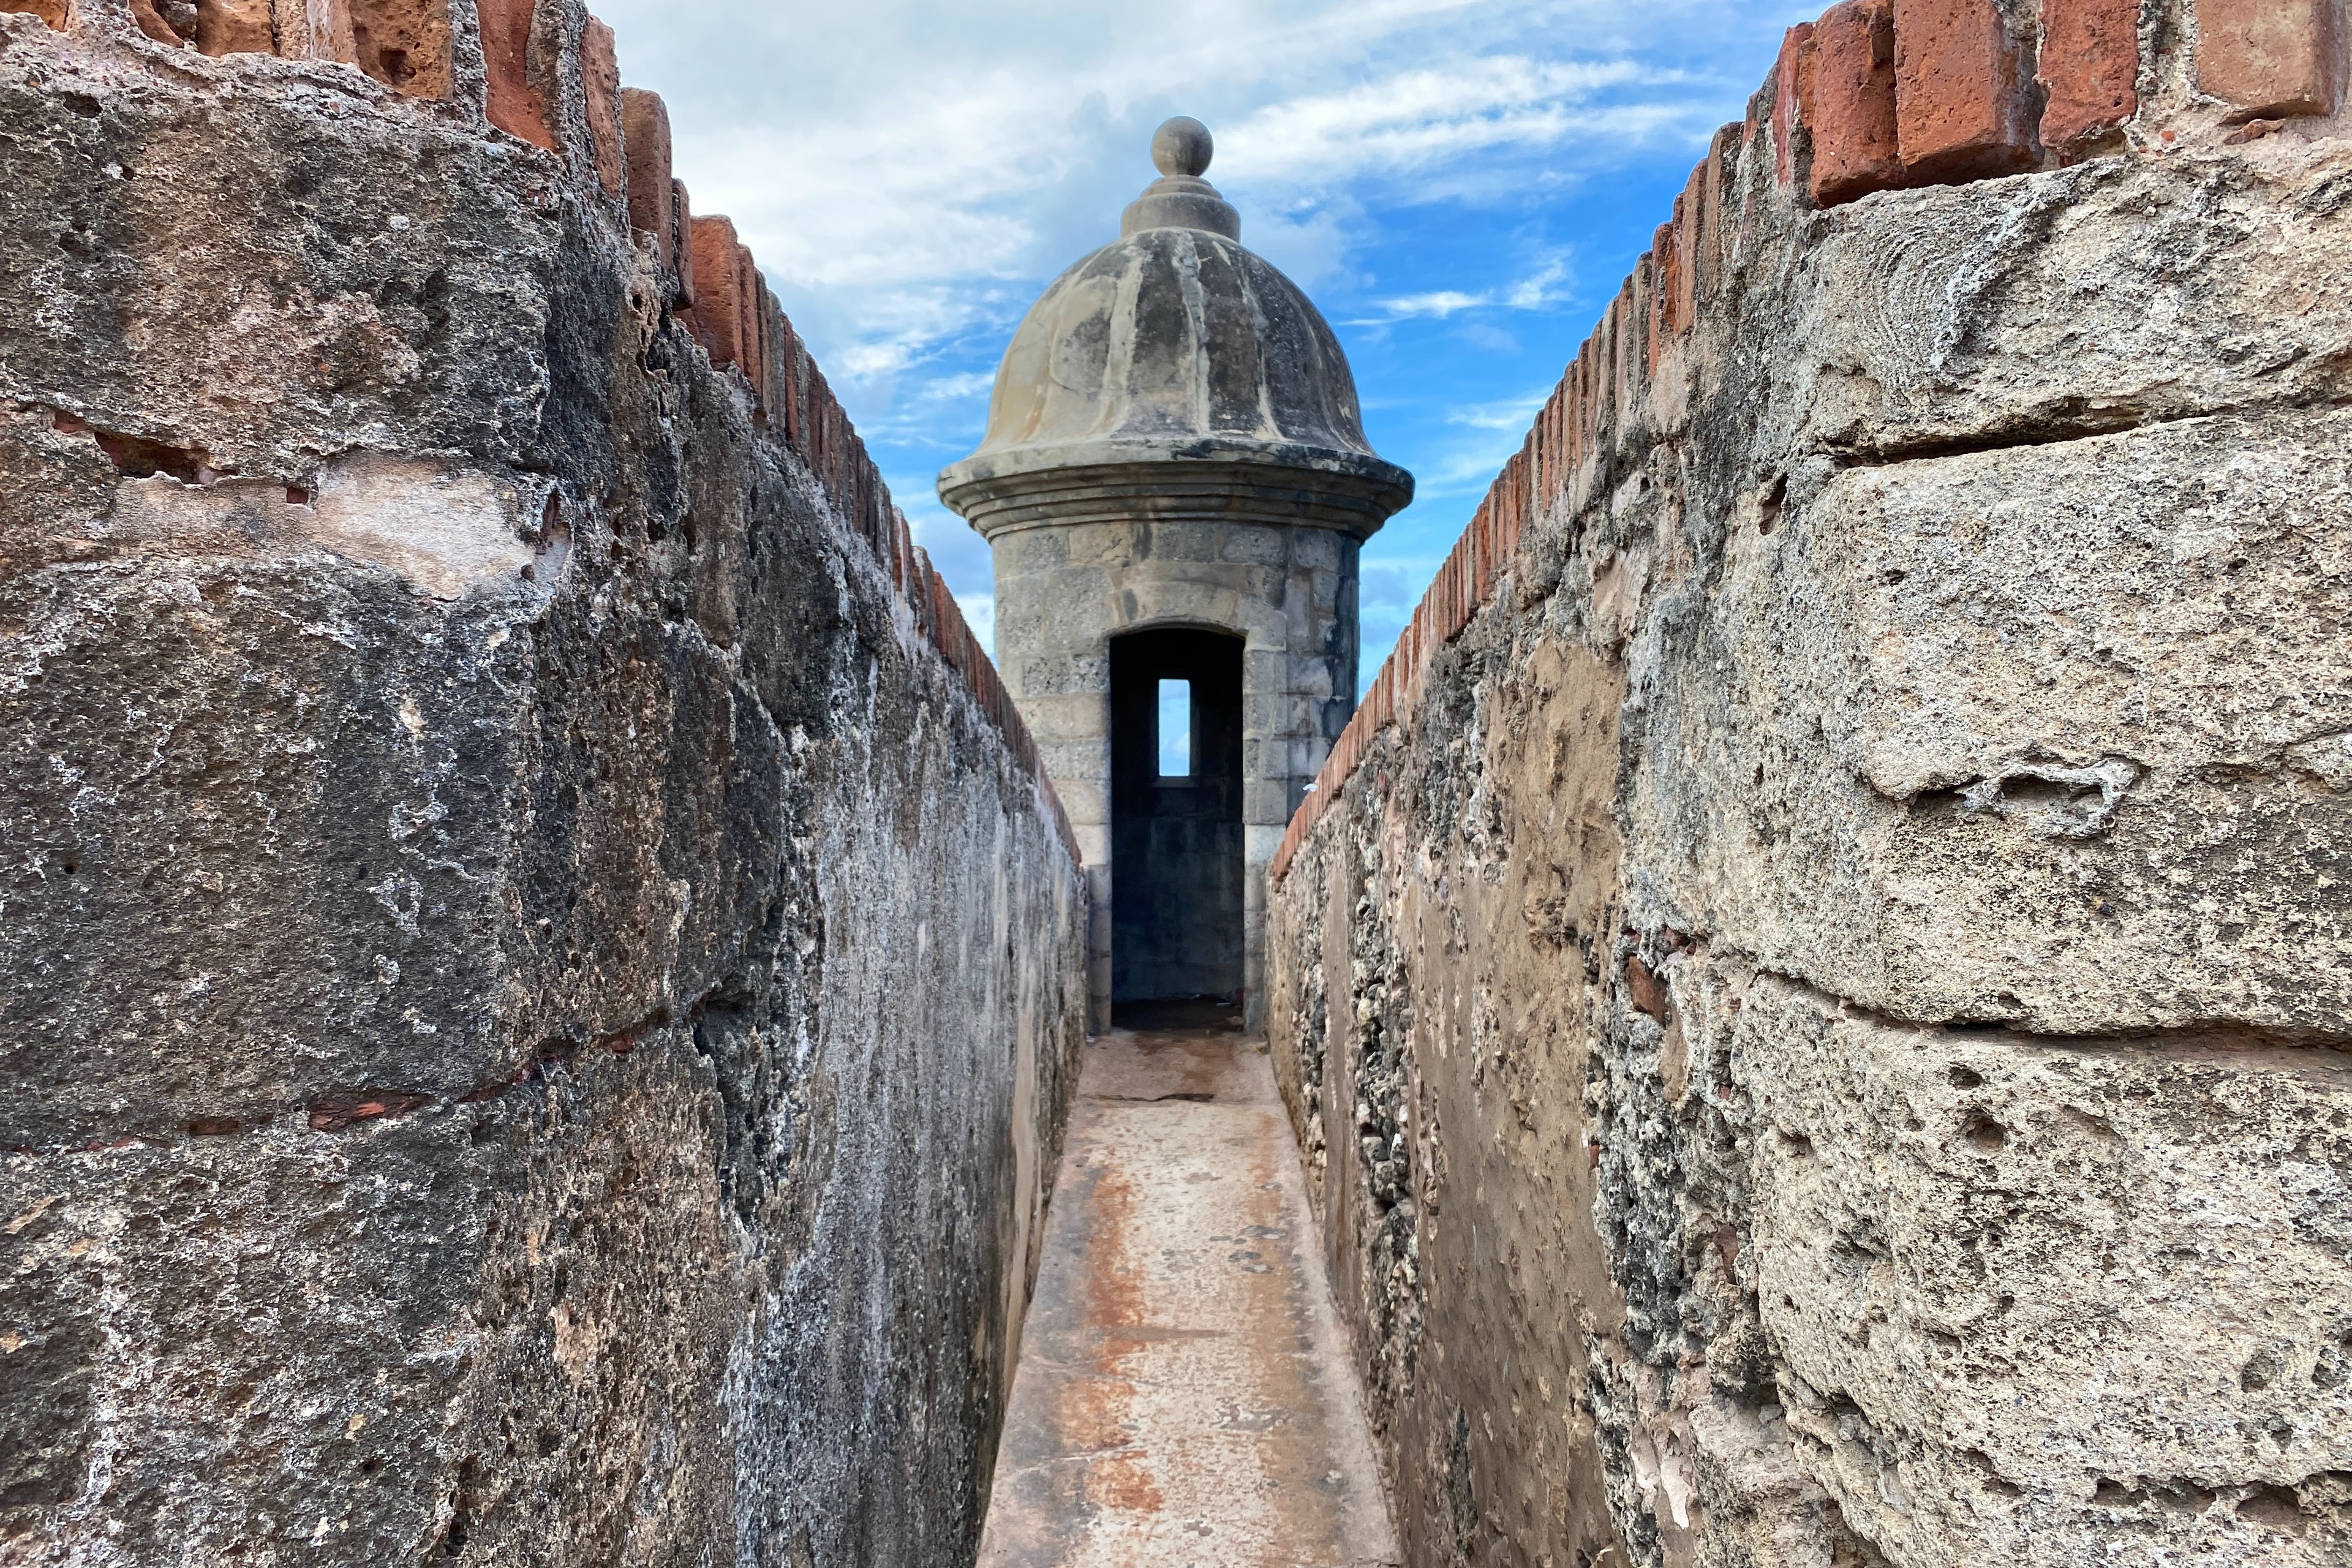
(1184, 1395)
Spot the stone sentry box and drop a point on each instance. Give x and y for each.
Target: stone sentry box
(1174, 442)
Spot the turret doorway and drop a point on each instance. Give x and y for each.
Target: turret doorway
(1177, 934)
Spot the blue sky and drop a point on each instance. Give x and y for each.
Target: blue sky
(1460, 184)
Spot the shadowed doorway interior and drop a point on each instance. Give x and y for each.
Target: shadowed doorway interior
(1176, 817)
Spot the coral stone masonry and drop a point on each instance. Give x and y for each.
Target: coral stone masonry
(1814, 988)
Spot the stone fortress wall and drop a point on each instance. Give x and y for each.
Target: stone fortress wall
(542, 976)
(1813, 989)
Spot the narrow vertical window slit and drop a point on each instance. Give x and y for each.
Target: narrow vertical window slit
(1175, 729)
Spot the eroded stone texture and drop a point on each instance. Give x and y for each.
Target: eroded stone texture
(405, 44)
(538, 1003)
(1928, 1208)
(1814, 990)
(53, 12)
(236, 28)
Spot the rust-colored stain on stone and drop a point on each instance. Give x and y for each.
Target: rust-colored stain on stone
(1093, 1412)
(1184, 1396)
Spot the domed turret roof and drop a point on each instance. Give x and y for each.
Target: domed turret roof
(1174, 345)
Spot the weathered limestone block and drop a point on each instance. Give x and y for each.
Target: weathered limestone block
(2114, 294)
(2025, 1290)
(1429, 1117)
(2068, 695)
(316, 275)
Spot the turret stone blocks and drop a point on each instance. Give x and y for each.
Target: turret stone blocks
(1063, 593)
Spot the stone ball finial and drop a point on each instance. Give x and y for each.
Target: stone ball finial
(1182, 146)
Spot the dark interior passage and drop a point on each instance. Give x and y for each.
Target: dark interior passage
(1176, 836)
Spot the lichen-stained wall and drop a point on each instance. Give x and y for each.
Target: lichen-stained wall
(540, 978)
(1814, 988)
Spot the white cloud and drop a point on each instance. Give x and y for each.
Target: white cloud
(946, 388)
(1310, 242)
(1548, 285)
(905, 172)
(1413, 118)
(1510, 414)
(910, 173)
(1441, 304)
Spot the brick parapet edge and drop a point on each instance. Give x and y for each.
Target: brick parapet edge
(549, 76)
(1877, 95)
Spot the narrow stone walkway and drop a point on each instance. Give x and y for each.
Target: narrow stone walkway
(1184, 1396)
